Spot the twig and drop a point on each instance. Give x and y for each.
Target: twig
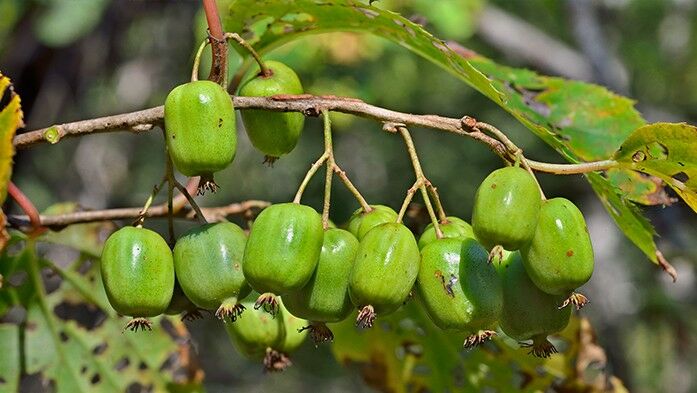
(199, 214)
(263, 70)
(58, 221)
(421, 179)
(329, 151)
(26, 205)
(219, 46)
(310, 106)
(308, 176)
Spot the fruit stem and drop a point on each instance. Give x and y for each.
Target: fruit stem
(308, 176)
(173, 181)
(349, 185)
(264, 71)
(438, 204)
(407, 200)
(219, 47)
(421, 181)
(329, 151)
(144, 211)
(197, 60)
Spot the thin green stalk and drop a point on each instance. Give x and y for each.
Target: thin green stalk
(329, 151)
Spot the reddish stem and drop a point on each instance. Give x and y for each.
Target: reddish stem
(218, 42)
(26, 205)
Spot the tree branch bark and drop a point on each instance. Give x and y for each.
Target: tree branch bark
(309, 105)
(211, 214)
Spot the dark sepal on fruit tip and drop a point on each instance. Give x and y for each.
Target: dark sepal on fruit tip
(275, 361)
(138, 323)
(366, 317)
(319, 332)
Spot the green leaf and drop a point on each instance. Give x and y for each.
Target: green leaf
(62, 22)
(667, 151)
(10, 362)
(581, 121)
(406, 352)
(626, 215)
(73, 338)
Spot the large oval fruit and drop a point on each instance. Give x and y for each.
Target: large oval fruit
(138, 273)
(559, 258)
(325, 297)
(361, 222)
(208, 264)
(506, 208)
(274, 133)
(453, 228)
(283, 250)
(459, 288)
(200, 128)
(257, 334)
(528, 313)
(384, 272)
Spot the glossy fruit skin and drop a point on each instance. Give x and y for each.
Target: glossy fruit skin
(325, 297)
(385, 268)
(293, 337)
(200, 128)
(527, 311)
(360, 222)
(283, 248)
(274, 133)
(506, 208)
(138, 272)
(454, 228)
(473, 297)
(208, 264)
(559, 258)
(255, 331)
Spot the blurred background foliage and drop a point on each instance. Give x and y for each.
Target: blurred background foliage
(77, 59)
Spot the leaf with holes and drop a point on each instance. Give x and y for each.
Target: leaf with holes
(667, 151)
(407, 352)
(10, 361)
(73, 339)
(581, 121)
(86, 238)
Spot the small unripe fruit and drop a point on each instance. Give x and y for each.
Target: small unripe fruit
(200, 129)
(454, 228)
(325, 297)
(138, 273)
(528, 313)
(274, 133)
(208, 264)
(384, 272)
(459, 288)
(506, 208)
(361, 222)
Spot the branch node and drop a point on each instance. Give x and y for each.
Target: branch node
(469, 122)
(392, 127)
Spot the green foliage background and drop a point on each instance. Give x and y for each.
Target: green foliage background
(70, 63)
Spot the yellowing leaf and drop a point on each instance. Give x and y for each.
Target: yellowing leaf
(10, 121)
(665, 150)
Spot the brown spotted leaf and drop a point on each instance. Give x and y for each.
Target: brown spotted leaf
(74, 340)
(405, 352)
(583, 122)
(667, 151)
